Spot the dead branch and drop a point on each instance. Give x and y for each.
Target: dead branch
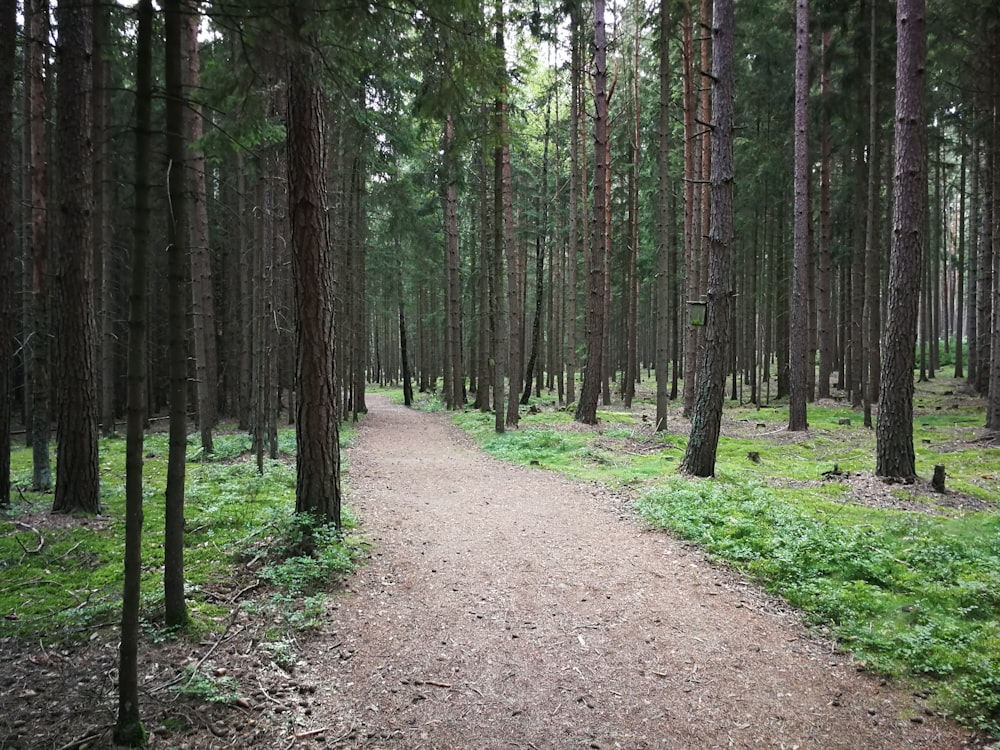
(41, 539)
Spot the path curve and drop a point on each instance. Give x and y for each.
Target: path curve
(506, 607)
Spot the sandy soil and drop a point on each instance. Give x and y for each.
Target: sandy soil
(504, 607)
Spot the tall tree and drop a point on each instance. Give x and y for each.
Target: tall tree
(175, 606)
(128, 728)
(706, 422)
(78, 475)
(798, 340)
(515, 305)
(873, 250)
(102, 224)
(455, 380)
(37, 309)
(202, 296)
(8, 56)
(631, 373)
(586, 408)
(894, 429)
(664, 234)
(824, 274)
(576, 197)
(317, 489)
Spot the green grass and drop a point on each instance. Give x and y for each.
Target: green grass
(909, 594)
(70, 584)
(914, 596)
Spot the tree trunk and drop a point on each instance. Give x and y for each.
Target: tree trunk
(691, 177)
(38, 320)
(515, 303)
(177, 259)
(202, 297)
(454, 397)
(128, 729)
(699, 458)
(484, 382)
(541, 239)
(103, 247)
(317, 489)
(894, 429)
(8, 57)
(992, 199)
(664, 249)
(632, 274)
(984, 283)
(404, 357)
(972, 299)
(78, 475)
(873, 255)
(586, 410)
(824, 275)
(575, 197)
(798, 340)
(960, 267)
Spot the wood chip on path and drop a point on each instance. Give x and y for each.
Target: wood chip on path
(506, 607)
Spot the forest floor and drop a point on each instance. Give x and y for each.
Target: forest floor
(501, 607)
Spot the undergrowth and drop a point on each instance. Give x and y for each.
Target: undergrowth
(63, 580)
(915, 596)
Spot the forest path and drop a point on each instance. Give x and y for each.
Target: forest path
(506, 607)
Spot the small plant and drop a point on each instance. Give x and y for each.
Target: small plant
(284, 652)
(208, 688)
(307, 555)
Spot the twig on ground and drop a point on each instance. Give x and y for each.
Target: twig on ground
(310, 733)
(243, 591)
(41, 539)
(78, 743)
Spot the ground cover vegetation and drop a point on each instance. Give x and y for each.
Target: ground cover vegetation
(903, 577)
(254, 572)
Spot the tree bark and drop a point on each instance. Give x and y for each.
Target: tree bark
(586, 410)
(575, 198)
(454, 395)
(824, 275)
(38, 323)
(177, 259)
(202, 296)
(631, 373)
(8, 58)
(664, 249)
(78, 475)
(894, 429)
(798, 340)
(102, 224)
(692, 285)
(128, 728)
(699, 457)
(317, 489)
(873, 254)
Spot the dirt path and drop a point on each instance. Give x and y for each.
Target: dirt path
(504, 607)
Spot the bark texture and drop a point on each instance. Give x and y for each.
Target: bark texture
(586, 409)
(798, 342)
(317, 488)
(706, 420)
(8, 55)
(78, 477)
(128, 728)
(894, 429)
(177, 257)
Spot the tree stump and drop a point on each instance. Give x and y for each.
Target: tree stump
(937, 481)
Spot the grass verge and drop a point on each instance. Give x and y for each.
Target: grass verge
(62, 576)
(913, 595)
